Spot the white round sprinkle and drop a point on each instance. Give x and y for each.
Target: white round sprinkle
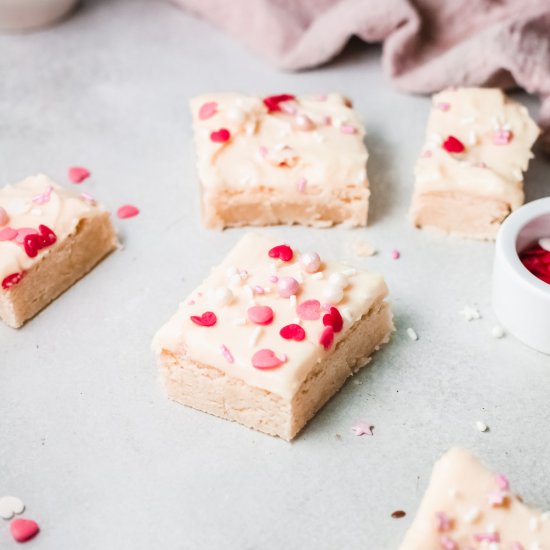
(470, 313)
(412, 334)
(482, 427)
(338, 279)
(311, 262)
(333, 294)
(497, 331)
(234, 114)
(223, 296)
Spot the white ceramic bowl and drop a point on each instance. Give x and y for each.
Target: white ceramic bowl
(522, 301)
(22, 15)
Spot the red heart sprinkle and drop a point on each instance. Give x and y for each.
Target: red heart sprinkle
(272, 102)
(32, 244)
(293, 332)
(77, 174)
(23, 530)
(266, 359)
(453, 145)
(207, 110)
(12, 280)
(207, 319)
(48, 236)
(127, 211)
(283, 252)
(309, 310)
(221, 136)
(260, 315)
(333, 319)
(327, 337)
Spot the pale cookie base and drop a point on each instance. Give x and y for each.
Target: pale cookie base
(262, 206)
(210, 390)
(66, 262)
(459, 214)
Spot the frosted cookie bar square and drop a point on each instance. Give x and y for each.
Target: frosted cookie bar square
(466, 506)
(469, 176)
(280, 160)
(49, 238)
(271, 335)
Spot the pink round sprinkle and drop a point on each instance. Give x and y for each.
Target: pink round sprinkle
(502, 137)
(302, 182)
(260, 315)
(4, 218)
(395, 254)
(309, 310)
(443, 106)
(448, 543)
(266, 359)
(348, 129)
(327, 120)
(263, 150)
(287, 287)
(77, 174)
(207, 110)
(8, 234)
(273, 278)
(227, 354)
(127, 211)
(502, 482)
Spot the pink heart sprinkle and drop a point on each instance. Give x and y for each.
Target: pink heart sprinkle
(24, 232)
(220, 136)
(293, 332)
(260, 315)
(23, 530)
(207, 319)
(502, 137)
(207, 110)
(77, 174)
(266, 359)
(327, 337)
(8, 234)
(43, 198)
(309, 310)
(127, 211)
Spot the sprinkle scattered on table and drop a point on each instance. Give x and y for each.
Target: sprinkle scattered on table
(481, 426)
(10, 506)
(362, 247)
(23, 530)
(497, 331)
(411, 333)
(77, 174)
(363, 428)
(470, 313)
(127, 211)
(398, 514)
(395, 254)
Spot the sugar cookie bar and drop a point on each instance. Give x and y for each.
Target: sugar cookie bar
(469, 176)
(49, 238)
(280, 160)
(271, 335)
(466, 506)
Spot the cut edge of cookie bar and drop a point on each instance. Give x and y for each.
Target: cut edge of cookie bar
(459, 214)
(66, 262)
(231, 208)
(210, 390)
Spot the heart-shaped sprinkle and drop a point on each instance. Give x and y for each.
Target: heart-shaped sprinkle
(293, 332)
(260, 315)
(443, 106)
(31, 244)
(282, 252)
(207, 110)
(4, 218)
(266, 359)
(47, 234)
(43, 198)
(207, 319)
(127, 211)
(8, 234)
(77, 174)
(220, 136)
(23, 530)
(453, 145)
(22, 232)
(309, 310)
(327, 337)
(273, 101)
(9, 506)
(333, 319)
(12, 280)
(502, 137)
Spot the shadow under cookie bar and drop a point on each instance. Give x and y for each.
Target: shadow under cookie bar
(460, 214)
(211, 390)
(66, 262)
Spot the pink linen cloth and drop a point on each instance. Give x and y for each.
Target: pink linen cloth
(428, 45)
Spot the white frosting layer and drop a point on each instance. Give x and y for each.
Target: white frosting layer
(275, 150)
(29, 204)
(465, 502)
(497, 134)
(246, 267)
